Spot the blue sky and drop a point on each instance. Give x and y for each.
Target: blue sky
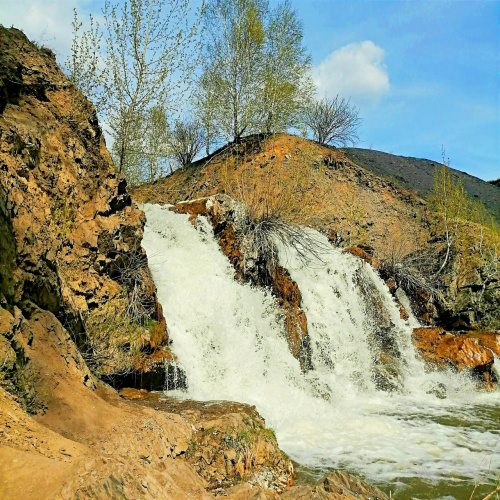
(424, 73)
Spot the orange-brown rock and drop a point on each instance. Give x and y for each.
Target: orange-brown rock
(444, 349)
(288, 294)
(490, 340)
(403, 313)
(70, 237)
(131, 393)
(363, 254)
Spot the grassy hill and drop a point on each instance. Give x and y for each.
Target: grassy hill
(418, 175)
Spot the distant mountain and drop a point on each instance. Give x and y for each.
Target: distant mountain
(418, 174)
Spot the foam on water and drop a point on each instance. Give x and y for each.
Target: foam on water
(230, 342)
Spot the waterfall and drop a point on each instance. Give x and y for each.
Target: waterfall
(386, 420)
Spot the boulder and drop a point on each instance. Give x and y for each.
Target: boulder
(444, 349)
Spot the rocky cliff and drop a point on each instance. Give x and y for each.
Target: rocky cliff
(71, 236)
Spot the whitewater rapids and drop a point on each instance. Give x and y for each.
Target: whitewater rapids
(230, 341)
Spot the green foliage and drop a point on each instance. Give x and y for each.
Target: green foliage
(464, 224)
(256, 73)
(247, 436)
(192, 447)
(288, 86)
(20, 380)
(114, 340)
(138, 62)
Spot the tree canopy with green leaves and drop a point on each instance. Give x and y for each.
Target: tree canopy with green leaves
(144, 63)
(256, 71)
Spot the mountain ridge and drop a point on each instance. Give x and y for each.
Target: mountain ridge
(417, 174)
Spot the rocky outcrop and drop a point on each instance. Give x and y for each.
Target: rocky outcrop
(87, 442)
(337, 486)
(229, 444)
(252, 265)
(443, 349)
(70, 236)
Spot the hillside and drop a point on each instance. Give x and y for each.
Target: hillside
(303, 183)
(418, 175)
(295, 180)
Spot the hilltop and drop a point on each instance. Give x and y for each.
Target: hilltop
(297, 181)
(303, 183)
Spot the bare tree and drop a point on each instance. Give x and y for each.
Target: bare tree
(186, 141)
(333, 121)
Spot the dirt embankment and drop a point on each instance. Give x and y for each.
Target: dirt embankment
(303, 183)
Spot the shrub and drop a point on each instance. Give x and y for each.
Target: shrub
(186, 140)
(333, 121)
(114, 340)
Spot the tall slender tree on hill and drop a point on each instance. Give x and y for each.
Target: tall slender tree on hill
(146, 49)
(234, 33)
(287, 84)
(256, 74)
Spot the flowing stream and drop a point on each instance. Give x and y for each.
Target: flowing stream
(415, 433)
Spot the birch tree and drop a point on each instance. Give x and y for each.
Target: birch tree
(287, 83)
(451, 207)
(147, 57)
(206, 104)
(147, 43)
(257, 73)
(234, 34)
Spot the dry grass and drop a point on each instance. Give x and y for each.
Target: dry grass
(289, 178)
(114, 340)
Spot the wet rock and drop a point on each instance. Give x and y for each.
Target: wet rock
(131, 393)
(444, 349)
(252, 267)
(363, 253)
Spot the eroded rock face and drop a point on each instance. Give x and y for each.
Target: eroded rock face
(70, 237)
(461, 352)
(253, 267)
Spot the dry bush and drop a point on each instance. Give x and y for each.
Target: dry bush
(129, 270)
(113, 340)
(279, 189)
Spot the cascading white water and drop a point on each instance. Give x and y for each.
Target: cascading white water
(230, 342)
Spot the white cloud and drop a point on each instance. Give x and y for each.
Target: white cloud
(355, 70)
